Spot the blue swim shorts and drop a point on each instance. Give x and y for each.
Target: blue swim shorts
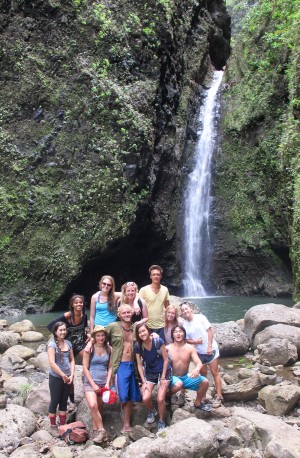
(128, 387)
(188, 382)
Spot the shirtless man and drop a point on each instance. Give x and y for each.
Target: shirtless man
(121, 336)
(182, 354)
(157, 299)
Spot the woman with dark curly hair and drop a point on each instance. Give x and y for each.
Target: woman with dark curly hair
(76, 323)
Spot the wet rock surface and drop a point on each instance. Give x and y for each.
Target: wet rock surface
(256, 387)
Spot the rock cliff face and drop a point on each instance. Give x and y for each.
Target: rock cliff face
(95, 99)
(256, 174)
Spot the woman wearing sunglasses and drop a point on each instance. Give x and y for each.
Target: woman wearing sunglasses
(129, 295)
(103, 304)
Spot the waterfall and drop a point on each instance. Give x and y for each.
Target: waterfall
(197, 241)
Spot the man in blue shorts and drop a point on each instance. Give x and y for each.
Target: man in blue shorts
(182, 354)
(121, 337)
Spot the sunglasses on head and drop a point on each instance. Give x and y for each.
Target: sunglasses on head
(130, 283)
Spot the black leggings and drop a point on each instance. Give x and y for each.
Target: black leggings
(59, 392)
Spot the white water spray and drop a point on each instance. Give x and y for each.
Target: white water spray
(197, 203)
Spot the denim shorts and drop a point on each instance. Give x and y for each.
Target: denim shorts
(207, 359)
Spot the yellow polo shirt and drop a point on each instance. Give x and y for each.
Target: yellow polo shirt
(155, 303)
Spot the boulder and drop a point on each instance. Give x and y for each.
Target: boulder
(42, 348)
(38, 399)
(61, 452)
(246, 453)
(41, 362)
(3, 400)
(278, 331)
(111, 416)
(245, 390)
(267, 379)
(120, 442)
(279, 399)
(28, 450)
(15, 384)
(3, 323)
(12, 363)
(20, 351)
(138, 432)
(278, 439)
(180, 415)
(228, 439)
(245, 429)
(78, 388)
(4, 375)
(8, 339)
(42, 436)
(16, 422)
(261, 316)
(22, 326)
(95, 452)
(231, 339)
(278, 351)
(191, 437)
(244, 372)
(31, 336)
(264, 369)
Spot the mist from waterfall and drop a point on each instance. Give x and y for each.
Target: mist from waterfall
(197, 240)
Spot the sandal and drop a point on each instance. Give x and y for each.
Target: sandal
(217, 402)
(203, 406)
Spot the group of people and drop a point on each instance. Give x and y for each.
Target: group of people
(137, 340)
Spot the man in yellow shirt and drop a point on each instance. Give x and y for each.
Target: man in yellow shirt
(157, 299)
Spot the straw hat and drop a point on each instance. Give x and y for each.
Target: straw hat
(98, 328)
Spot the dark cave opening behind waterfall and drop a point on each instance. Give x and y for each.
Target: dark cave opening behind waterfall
(125, 260)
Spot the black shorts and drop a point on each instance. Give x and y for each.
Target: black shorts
(154, 377)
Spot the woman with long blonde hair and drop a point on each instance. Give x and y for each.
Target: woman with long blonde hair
(129, 295)
(172, 318)
(103, 303)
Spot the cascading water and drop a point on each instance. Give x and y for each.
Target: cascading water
(197, 202)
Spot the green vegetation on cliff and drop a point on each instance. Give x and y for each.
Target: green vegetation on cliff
(258, 175)
(89, 95)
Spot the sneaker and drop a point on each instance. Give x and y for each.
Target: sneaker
(203, 406)
(160, 426)
(151, 416)
(100, 437)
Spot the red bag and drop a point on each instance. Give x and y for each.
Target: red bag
(73, 433)
(108, 396)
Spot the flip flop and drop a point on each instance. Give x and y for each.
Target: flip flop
(203, 406)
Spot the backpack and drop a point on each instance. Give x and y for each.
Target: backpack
(73, 433)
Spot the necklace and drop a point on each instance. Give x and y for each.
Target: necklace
(127, 330)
